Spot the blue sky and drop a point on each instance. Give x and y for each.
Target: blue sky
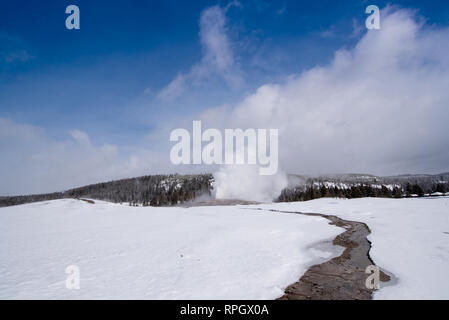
(103, 78)
(106, 79)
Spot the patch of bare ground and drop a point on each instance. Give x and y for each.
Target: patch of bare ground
(88, 201)
(219, 202)
(343, 277)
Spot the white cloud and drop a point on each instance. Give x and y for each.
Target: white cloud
(328, 33)
(12, 49)
(80, 136)
(174, 89)
(282, 10)
(16, 56)
(357, 28)
(218, 57)
(33, 162)
(381, 107)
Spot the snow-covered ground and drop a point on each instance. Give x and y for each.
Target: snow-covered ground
(154, 253)
(212, 252)
(410, 238)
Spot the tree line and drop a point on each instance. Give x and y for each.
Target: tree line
(312, 191)
(153, 190)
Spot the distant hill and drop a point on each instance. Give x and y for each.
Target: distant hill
(424, 180)
(155, 190)
(174, 189)
(303, 188)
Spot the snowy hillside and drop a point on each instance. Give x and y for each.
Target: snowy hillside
(154, 253)
(410, 238)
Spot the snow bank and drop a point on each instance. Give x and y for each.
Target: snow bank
(410, 238)
(154, 253)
